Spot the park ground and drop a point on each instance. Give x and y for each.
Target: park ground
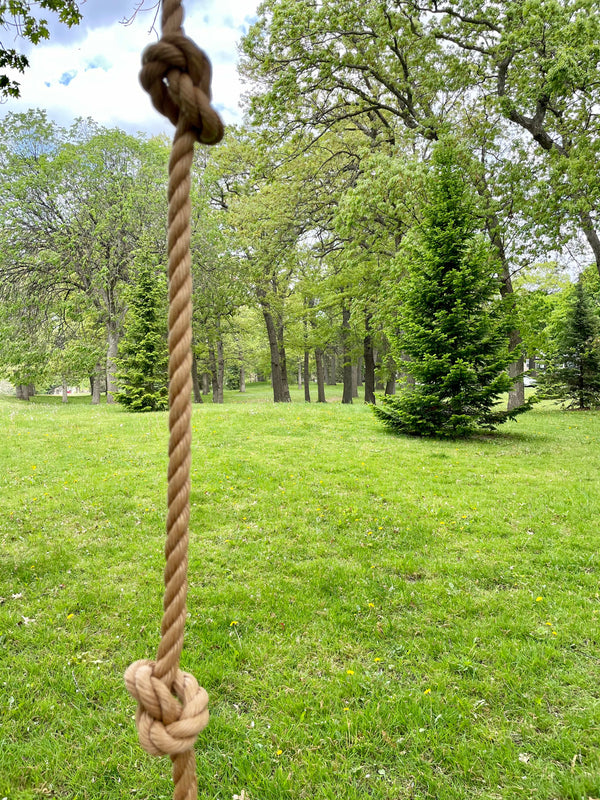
(372, 616)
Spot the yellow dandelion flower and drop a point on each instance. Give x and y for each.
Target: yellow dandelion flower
(233, 622)
(427, 691)
(349, 672)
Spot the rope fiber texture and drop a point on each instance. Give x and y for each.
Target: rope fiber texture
(172, 708)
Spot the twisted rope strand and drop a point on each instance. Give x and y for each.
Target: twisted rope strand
(172, 708)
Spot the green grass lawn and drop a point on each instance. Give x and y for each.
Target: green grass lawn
(373, 617)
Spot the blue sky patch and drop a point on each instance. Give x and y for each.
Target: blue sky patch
(98, 62)
(67, 77)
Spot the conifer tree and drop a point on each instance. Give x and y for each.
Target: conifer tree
(573, 372)
(449, 320)
(142, 366)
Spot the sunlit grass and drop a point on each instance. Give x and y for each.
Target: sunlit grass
(372, 616)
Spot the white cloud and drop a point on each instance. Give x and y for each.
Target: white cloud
(95, 74)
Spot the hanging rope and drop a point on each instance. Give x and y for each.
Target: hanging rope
(172, 708)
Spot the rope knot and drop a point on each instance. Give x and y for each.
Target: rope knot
(176, 74)
(167, 725)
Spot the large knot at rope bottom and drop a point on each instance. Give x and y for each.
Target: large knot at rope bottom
(167, 725)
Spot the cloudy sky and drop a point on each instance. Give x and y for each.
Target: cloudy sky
(92, 70)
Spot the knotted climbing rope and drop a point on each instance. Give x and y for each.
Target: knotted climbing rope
(172, 708)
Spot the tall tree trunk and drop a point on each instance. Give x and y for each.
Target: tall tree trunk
(281, 392)
(283, 363)
(299, 375)
(347, 392)
(516, 396)
(22, 391)
(591, 235)
(205, 383)
(242, 372)
(216, 375)
(320, 375)
(369, 359)
(355, 369)
(331, 369)
(111, 356)
(31, 389)
(306, 376)
(195, 381)
(65, 390)
(220, 368)
(390, 386)
(96, 385)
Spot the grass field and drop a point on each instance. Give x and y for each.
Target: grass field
(373, 617)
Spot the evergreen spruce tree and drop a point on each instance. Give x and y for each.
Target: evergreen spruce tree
(450, 320)
(573, 372)
(142, 366)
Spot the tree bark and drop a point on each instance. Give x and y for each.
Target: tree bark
(320, 375)
(195, 381)
(331, 370)
(516, 396)
(369, 359)
(22, 391)
(283, 364)
(205, 383)
(95, 381)
(347, 391)
(306, 376)
(591, 235)
(220, 369)
(242, 372)
(113, 347)
(355, 369)
(214, 362)
(281, 392)
(65, 391)
(299, 375)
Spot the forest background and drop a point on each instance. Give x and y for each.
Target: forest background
(303, 217)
